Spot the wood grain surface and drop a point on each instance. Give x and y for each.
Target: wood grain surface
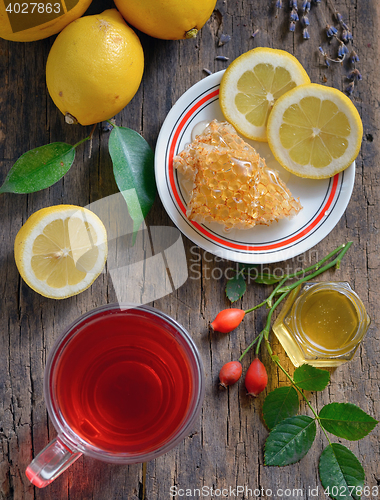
(225, 448)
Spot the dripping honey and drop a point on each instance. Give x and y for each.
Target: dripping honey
(321, 324)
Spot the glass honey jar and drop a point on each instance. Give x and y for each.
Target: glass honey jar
(321, 324)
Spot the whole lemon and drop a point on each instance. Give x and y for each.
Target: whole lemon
(94, 68)
(167, 19)
(26, 22)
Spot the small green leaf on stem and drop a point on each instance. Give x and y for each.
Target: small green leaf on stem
(236, 287)
(280, 404)
(290, 440)
(310, 378)
(346, 421)
(267, 279)
(133, 167)
(341, 473)
(39, 168)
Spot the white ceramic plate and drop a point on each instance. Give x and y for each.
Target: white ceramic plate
(323, 201)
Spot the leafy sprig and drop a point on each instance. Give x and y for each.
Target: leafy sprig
(292, 435)
(133, 167)
(281, 290)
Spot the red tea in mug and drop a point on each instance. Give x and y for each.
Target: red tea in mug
(124, 384)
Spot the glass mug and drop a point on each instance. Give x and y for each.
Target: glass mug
(123, 385)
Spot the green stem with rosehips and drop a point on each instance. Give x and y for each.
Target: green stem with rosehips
(291, 435)
(228, 319)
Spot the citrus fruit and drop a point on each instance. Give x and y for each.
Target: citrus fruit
(314, 131)
(167, 19)
(61, 250)
(94, 68)
(251, 85)
(26, 22)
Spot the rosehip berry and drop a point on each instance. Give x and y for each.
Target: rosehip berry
(230, 373)
(256, 378)
(227, 320)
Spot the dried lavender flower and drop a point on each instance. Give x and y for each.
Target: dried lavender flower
(350, 88)
(224, 39)
(207, 71)
(254, 33)
(342, 51)
(339, 17)
(306, 6)
(355, 74)
(354, 57)
(331, 31)
(292, 26)
(305, 21)
(221, 58)
(305, 34)
(294, 16)
(347, 36)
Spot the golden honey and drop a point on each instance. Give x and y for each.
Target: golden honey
(231, 184)
(321, 324)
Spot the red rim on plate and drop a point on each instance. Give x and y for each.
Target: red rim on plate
(262, 244)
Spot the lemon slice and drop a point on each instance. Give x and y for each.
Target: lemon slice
(315, 131)
(251, 85)
(61, 250)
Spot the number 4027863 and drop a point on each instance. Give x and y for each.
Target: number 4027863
(33, 8)
(358, 491)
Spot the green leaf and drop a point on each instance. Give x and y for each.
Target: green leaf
(236, 287)
(267, 279)
(346, 420)
(310, 378)
(39, 168)
(133, 167)
(280, 404)
(341, 473)
(290, 440)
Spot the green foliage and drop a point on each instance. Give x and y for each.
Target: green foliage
(39, 168)
(236, 287)
(290, 440)
(341, 473)
(310, 378)
(280, 404)
(346, 421)
(133, 167)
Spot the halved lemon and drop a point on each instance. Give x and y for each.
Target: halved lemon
(315, 131)
(61, 250)
(251, 85)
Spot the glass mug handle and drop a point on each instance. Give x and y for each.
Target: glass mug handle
(55, 458)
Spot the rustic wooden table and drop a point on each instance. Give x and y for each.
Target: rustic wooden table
(226, 447)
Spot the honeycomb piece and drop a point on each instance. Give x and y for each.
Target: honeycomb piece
(231, 184)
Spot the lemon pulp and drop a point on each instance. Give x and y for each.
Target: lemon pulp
(314, 132)
(258, 89)
(56, 260)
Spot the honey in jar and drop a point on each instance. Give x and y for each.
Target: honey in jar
(321, 324)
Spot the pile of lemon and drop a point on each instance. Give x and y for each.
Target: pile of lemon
(314, 131)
